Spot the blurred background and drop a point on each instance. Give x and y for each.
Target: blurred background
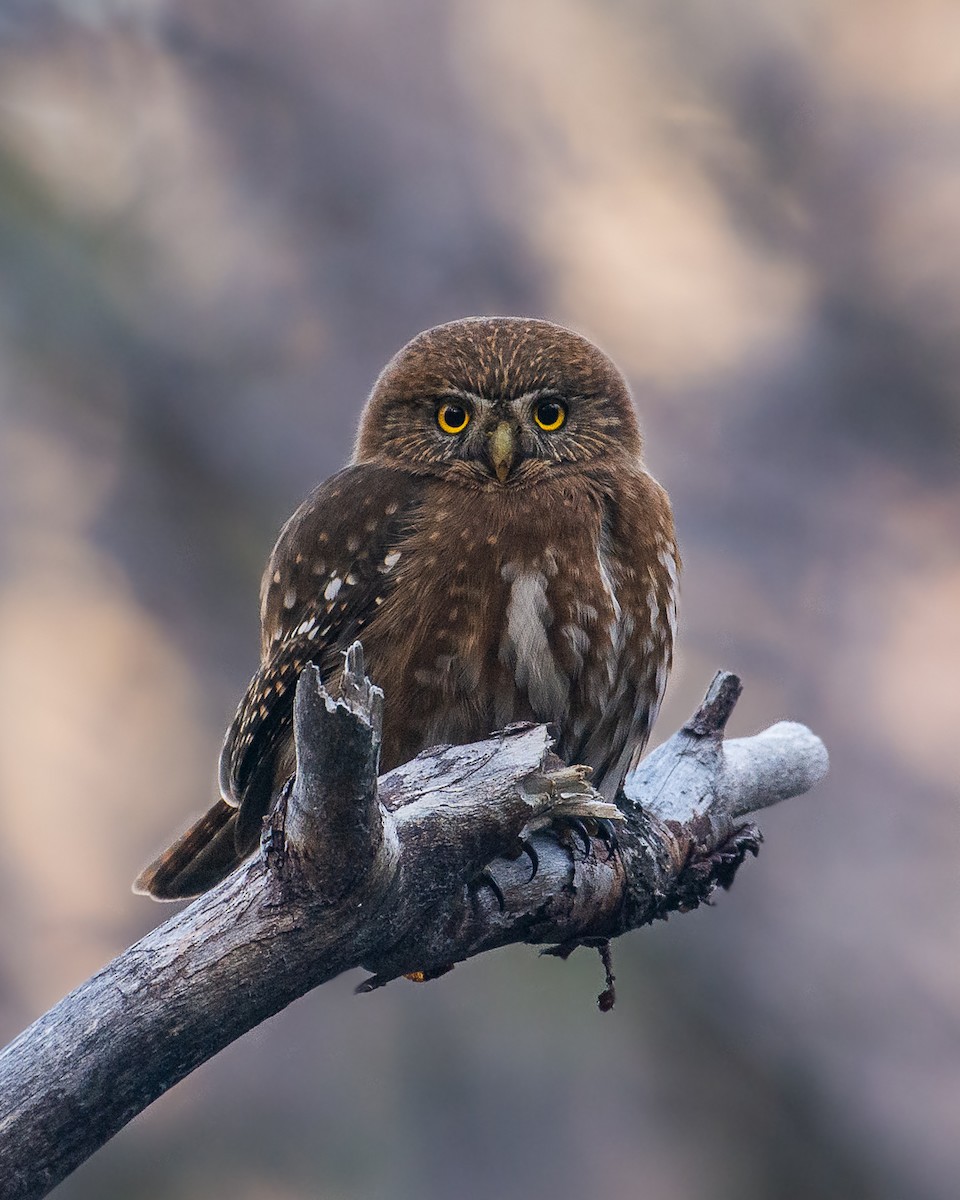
(217, 222)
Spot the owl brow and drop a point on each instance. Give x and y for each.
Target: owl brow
(454, 393)
(457, 393)
(524, 404)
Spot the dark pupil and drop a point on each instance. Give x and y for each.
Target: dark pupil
(549, 413)
(454, 416)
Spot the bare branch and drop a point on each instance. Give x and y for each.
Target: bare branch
(389, 875)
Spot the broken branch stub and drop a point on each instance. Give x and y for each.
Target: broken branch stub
(333, 824)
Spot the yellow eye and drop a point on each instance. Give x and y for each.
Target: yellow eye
(453, 418)
(549, 415)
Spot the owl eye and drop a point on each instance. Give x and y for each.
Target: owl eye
(452, 418)
(550, 415)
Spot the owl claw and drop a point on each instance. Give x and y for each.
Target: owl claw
(485, 878)
(585, 830)
(577, 826)
(529, 850)
(607, 833)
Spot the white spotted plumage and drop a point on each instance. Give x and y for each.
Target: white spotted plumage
(541, 588)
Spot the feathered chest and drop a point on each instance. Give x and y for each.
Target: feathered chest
(504, 608)
(476, 608)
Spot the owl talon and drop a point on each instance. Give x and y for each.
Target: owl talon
(587, 829)
(575, 825)
(607, 833)
(529, 850)
(485, 878)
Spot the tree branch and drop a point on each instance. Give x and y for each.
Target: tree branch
(388, 875)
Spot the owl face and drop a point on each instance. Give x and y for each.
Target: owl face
(498, 402)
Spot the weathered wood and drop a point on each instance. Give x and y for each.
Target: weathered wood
(385, 875)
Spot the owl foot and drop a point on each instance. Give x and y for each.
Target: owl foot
(586, 830)
(567, 827)
(485, 879)
(607, 833)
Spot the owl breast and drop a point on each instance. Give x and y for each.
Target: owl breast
(521, 614)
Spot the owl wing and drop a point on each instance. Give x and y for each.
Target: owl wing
(329, 571)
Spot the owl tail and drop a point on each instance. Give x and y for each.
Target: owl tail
(197, 860)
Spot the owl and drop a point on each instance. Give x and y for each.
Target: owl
(501, 551)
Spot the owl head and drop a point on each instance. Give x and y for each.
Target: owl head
(498, 402)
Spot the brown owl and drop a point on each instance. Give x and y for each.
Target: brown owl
(502, 553)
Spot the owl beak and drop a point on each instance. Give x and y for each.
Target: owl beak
(503, 449)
